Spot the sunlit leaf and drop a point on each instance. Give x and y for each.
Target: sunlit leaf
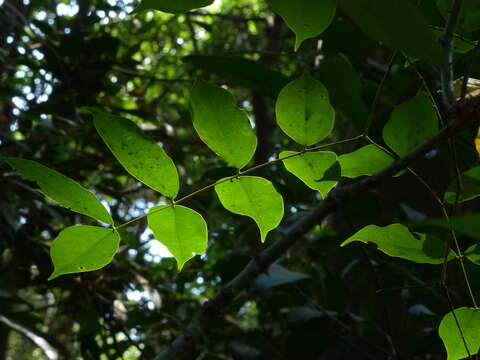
(172, 6)
(83, 248)
(61, 189)
(254, 197)
(395, 240)
(306, 18)
(182, 230)
(221, 125)
(318, 170)
(455, 343)
(396, 23)
(366, 160)
(304, 112)
(411, 124)
(139, 155)
(469, 187)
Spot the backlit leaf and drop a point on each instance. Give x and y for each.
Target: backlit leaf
(306, 18)
(318, 170)
(396, 23)
(254, 197)
(411, 124)
(83, 248)
(304, 112)
(221, 125)
(172, 6)
(470, 187)
(139, 155)
(182, 230)
(395, 240)
(61, 189)
(469, 321)
(366, 160)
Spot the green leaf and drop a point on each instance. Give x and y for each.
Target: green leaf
(469, 321)
(83, 248)
(61, 189)
(395, 240)
(396, 23)
(182, 230)
(318, 170)
(172, 6)
(411, 124)
(306, 18)
(469, 17)
(468, 225)
(473, 254)
(221, 125)
(367, 160)
(139, 155)
(345, 89)
(304, 112)
(240, 71)
(470, 187)
(254, 197)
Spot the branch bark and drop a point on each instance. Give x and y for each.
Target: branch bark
(213, 308)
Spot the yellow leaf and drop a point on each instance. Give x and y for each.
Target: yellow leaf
(477, 142)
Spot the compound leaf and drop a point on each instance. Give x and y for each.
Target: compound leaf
(182, 230)
(306, 18)
(83, 248)
(318, 170)
(221, 125)
(255, 197)
(61, 189)
(469, 321)
(304, 112)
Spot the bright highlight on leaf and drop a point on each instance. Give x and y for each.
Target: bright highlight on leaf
(222, 125)
(255, 197)
(306, 18)
(139, 155)
(61, 189)
(318, 170)
(366, 160)
(182, 230)
(83, 248)
(396, 240)
(411, 124)
(470, 187)
(304, 112)
(469, 321)
(172, 6)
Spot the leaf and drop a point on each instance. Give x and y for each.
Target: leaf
(469, 16)
(221, 125)
(306, 18)
(469, 321)
(470, 187)
(172, 6)
(395, 240)
(473, 88)
(83, 248)
(411, 124)
(318, 170)
(182, 230)
(477, 141)
(240, 71)
(396, 23)
(254, 197)
(473, 254)
(277, 275)
(61, 189)
(304, 112)
(139, 155)
(468, 225)
(367, 160)
(345, 89)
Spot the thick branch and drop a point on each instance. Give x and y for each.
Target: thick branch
(184, 343)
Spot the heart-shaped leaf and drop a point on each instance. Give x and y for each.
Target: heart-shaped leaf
(366, 160)
(83, 248)
(61, 189)
(255, 197)
(182, 230)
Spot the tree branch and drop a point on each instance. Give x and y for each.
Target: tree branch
(210, 310)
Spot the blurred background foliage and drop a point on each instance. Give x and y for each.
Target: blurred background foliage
(319, 301)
